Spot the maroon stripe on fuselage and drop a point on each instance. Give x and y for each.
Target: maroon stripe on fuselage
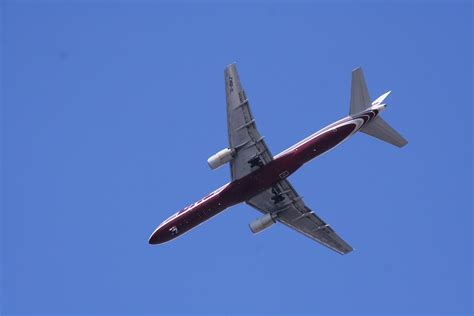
(261, 179)
(323, 142)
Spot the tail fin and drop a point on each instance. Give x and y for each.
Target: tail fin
(360, 101)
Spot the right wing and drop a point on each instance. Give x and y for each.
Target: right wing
(290, 210)
(251, 150)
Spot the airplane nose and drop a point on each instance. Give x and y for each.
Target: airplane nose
(152, 240)
(155, 237)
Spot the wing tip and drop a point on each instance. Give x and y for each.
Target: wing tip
(231, 65)
(349, 250)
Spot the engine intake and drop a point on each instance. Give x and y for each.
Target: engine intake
(222, 157)
(262, 223)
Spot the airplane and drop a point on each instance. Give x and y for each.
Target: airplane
(259, 179)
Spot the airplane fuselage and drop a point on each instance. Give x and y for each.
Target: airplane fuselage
(282, 166)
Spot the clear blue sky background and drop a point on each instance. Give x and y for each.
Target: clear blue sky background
(110, 111)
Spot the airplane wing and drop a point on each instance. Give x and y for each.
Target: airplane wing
(292, 212)
(251, 150)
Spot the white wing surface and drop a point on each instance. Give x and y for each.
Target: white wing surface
(291, 211)
(251, 150)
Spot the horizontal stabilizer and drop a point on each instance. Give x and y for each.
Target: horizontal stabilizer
(380, 129)
(380, 99)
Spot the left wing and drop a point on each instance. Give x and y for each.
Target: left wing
(251, 151)
(290, 210)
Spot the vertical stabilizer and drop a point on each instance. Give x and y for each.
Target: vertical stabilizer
(360, 99)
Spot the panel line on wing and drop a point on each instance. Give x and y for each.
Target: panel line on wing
(302, 216)
(249, 143)
(245, 102)
(320, 227)
(244, 125)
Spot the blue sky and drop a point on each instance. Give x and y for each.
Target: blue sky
(110, 110)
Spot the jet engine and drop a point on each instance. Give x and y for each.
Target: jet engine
(222, 157)
(262, 223)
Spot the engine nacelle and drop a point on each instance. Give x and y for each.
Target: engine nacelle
(222, 157)
(262, 223)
